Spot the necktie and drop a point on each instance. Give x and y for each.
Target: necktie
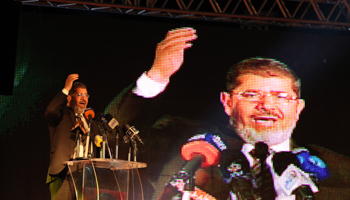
(82, 137)
(262, 177)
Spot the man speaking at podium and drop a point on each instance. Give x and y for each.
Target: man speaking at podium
(63, 113)
(262, 100)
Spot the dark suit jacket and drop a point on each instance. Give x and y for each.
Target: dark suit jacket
(61, 119)
(164, 136)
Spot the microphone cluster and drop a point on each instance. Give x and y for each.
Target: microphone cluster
(298, 173)
(109, 124)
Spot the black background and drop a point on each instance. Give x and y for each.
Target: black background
(109, 51)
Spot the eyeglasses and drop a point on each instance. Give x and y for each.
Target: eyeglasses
(255, 96)
(82, 94)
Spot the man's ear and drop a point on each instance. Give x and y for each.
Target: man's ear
(227, 102)
(300, 106)
(69, 98)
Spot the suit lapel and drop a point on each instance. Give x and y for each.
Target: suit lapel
(72, 116)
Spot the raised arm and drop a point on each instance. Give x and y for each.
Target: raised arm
(170, 54)
(53, 111)
(134, 102)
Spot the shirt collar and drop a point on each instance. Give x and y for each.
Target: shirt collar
(78, 114)
(284, 146)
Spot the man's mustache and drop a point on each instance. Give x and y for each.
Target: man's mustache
(268, 114)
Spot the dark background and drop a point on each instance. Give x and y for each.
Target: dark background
(109, 51)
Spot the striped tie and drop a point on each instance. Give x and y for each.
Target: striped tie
(82, 137)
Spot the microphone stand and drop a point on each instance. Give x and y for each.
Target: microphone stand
(77, 142)
(108, 147)
(116, 145)
(78, 137)
(87, 144)
(130, 135)
(104, 143)
(133, 145)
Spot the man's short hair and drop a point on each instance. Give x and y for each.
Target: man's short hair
(265, 67)
(75, 86)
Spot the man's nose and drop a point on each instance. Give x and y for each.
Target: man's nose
(84, 97)
(266, 102)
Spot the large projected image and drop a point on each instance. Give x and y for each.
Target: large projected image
(263, 104)
(202, 96)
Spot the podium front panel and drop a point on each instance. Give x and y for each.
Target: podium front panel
(106, 179)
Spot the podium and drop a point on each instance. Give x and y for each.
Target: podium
(106, 179)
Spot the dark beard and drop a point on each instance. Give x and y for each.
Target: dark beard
(78, 110)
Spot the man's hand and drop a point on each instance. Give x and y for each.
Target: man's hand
(69, 81)
(170, 53)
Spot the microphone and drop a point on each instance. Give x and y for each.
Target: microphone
(282, 160)
(303, 160)
(235, 171)
(207, 146)
(104, 123)
(131, 132)
(262, 178)
(313, 165)
(89, 114)
(292, 179)
(261, 151)
(112, 122)
(198, 153)
(202, 150)
(98, 140)
(109, 123)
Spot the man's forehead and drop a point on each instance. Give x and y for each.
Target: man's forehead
(264, 83)
(81, 90)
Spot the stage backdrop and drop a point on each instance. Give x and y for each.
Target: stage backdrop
(109, 51)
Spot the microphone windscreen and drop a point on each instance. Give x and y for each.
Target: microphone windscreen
(89, 111)
(261, 150)
(98, 140)
(282, 160)
(204, 148)
(108, 117)
(313, 164)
